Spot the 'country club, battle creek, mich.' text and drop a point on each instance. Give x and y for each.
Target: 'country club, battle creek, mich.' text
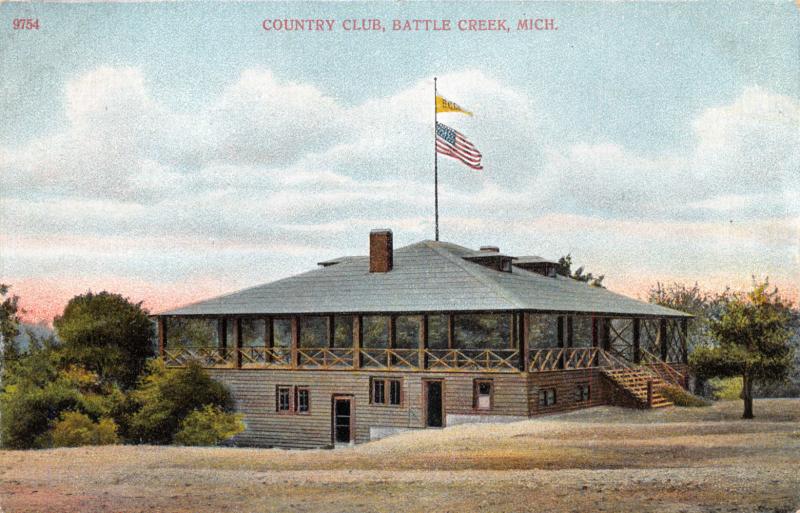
(407, 25)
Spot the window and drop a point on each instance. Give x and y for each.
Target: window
(482, 331)
(547, 396)
(378, 391)
(482, 394)
(582, 392)
(282, 333)
(301, 400)
(313, 332)
(343, 331)
(375, 331)
(283, 399)
(288, 403)
(387, 391)
(394, 392)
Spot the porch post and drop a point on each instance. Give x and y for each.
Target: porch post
(295, 341)
(392, 342)
(595, 335)
(524, 350)
(357, 332)
(561, 340)
(662, 338)
(606, 340)
(637, 349)
(570, 331)
(237, 337)
(222, 335)
(162, 336)
(685, 341)
(423, 342)
(451, 331)
(269, 339)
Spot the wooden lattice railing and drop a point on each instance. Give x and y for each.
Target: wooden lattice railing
(472, 359)
(567, 358)
(325, 357)
(205, 356)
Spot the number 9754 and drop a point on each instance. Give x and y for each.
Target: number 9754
(25, 24)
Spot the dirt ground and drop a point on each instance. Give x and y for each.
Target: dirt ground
(603, 459)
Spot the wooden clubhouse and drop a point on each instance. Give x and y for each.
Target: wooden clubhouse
(428, 335)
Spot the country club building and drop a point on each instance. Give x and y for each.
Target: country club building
(428, 335)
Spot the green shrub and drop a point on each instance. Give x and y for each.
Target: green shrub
(40, 394)
(726, 389)
(680, 397)
(208, 426)
(74, 429)
(166, 396)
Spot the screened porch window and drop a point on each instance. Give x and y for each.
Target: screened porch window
(437, 331)
(542, 331)
(343, 331)
(313, 332)
(282, 332)
(407, 331)
(187, 332)
(376, 331)
(483, 331)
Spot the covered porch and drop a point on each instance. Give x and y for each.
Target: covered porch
(519, 341)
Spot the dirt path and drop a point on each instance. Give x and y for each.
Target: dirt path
(604, 459)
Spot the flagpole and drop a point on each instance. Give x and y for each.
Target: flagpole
(435, 163)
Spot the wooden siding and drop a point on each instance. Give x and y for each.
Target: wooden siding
(565, 383)
(255, 395)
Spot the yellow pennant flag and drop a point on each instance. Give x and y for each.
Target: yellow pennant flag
(444, 105)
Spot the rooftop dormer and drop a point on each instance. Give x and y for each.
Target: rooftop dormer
(490, 256)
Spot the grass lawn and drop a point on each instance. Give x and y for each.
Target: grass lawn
(603, 459)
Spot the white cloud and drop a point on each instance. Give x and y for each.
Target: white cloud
(281, 167)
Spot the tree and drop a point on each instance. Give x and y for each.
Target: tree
(9, 325)
(107, 334)
(565, 269)
(752, 341)
(166, 396)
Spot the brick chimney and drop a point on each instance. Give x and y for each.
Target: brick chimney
(380, 251)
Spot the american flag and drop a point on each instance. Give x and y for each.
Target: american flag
(453, 144)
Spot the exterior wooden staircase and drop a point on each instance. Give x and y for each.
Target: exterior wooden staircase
(643, 386)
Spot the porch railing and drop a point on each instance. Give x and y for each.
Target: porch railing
(440, 360)
(666, 371)
(472, 359)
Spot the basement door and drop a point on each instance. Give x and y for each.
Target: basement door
(434, 407)
(342, 422)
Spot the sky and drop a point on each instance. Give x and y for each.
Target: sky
(173, 152)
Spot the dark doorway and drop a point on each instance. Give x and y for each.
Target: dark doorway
(433, 404)
(342, 419)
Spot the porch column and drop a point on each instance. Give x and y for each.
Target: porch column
(162, 336)
(606, 340)
(524, 349)
(222, 335)
(357, 332)
(392, 342)
(637, 349)
(685, 341)
(595, 334)
(451, 331)
(423, 342)
(662, 339)
(237, 337)
(269, 339)
(295, 342)
(561, 340)
(570, 332)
